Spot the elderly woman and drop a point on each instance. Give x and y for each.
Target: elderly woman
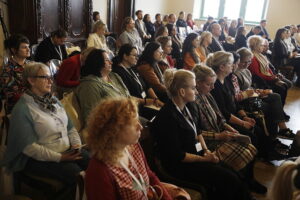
(166, 45)
(11, 82)
(275, 111)
(260, 69)
(205, 41)
(42, 140)
(188, 158)
(219, 135)
(190, 51)
(130, 35)
(97, 38)
(150, 71)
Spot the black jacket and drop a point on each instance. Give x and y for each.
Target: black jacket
(47, 51)
(215, 46)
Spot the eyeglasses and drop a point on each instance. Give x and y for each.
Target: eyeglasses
(49, 78)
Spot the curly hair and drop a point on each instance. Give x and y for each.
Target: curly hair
(106, 123)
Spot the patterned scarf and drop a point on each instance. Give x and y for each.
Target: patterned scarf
(263, 63)
(46, 103)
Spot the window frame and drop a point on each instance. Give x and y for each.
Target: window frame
(242, 14)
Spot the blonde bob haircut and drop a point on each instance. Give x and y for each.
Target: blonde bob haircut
(98, 25)
(283, 183)
(106, 123)
(202, 72)
(177, 79)
(215, 60)
(254, 42)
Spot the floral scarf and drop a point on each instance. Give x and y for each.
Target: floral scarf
(46, 103)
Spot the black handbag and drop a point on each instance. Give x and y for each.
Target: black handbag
(252, 104)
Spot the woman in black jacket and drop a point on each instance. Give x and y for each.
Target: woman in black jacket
(181, 147)
(240, 38)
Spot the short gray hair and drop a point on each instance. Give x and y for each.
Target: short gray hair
(254, 42)
(31, 69)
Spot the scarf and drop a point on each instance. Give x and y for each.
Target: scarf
(263, 63)
(46, 102)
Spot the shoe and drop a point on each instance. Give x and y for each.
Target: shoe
(286, 117)
(286, 134)
(256, 187)
(279, 145)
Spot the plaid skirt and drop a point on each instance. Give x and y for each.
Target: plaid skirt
(236, 155)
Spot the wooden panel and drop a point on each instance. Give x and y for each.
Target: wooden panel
(51, 14)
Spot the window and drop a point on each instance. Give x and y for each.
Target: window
(252, 11)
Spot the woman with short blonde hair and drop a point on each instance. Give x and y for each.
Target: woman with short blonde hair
(97, 38)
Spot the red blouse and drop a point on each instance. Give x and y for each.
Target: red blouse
(104, 181)
(255, 69)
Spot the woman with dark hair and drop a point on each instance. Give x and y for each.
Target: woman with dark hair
(149, 25)
(240, 38)
(12, 87)
(282, 56)
(124, 65)
(240, 22)
(189, 20)
(150, 71)
(130, 35)
(96, 16)
(98, 82)
(181, 21)
(176, 45)
(166, 45)
(190, 51)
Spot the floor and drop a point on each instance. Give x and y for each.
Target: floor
(264, 172)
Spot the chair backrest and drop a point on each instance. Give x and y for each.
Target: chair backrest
(33, 50)
(80, 189)
(69, 44)
(111, 43)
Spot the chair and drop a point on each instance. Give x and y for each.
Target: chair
(111, 43)
(54, 66)
(69, 44)
(33, 50)
(196, 192)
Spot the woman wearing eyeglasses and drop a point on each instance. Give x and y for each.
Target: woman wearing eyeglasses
(42, 140)
(11, 83)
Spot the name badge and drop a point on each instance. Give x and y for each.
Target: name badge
(144, 94)
(198, 147)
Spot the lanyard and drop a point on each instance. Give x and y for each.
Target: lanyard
(139, 181)
(59, 52)
(134, 76)
(188, 119)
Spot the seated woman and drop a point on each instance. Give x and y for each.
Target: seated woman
(123, 65)
(176, 45)
(232, 28)
(118, 169)
(67, 77)
(97, 38)
(205, 41)
(161, 31)
(166, 45)
(188, 158)
(99, 83)
(41, 134)
(130, 35)
(181, 21)
(150, 71)
(220, 136)
(273, 106)
(260, 69)
(190, 51)
(281, 55)
(11, 81)
(189, 20)
(240, 38)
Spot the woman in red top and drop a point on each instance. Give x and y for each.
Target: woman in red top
(118, 169)
(189, 20)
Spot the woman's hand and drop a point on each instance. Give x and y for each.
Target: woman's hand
(225, 135)
(249, 92)
(247, 125)
(250, 120)
(70, 156)
(211, 157)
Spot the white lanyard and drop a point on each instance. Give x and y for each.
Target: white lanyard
(189, 120)
(59, 52)
(141, 183)
(133, 75)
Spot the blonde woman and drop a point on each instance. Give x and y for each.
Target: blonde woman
(205, 41)
(118, 168)
(286, 183)
(97, 38)
(188, 158)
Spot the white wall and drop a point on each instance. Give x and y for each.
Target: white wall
(101, 6)
(152, 7)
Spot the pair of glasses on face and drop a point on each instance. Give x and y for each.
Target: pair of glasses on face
(48, 78)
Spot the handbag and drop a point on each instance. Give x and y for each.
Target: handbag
(252, 104)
